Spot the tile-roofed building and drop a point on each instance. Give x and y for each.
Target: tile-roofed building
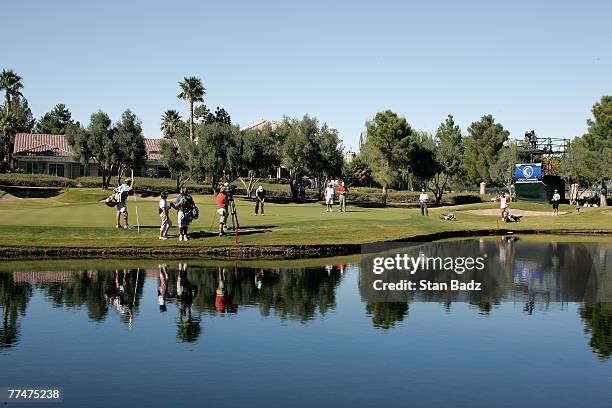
(51, 154)
(261, 124)
(41, 145)
(153, 147)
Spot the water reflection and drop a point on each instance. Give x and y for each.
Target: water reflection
(14, 298)
(533, 275)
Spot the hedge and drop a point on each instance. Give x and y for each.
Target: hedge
(273, 187)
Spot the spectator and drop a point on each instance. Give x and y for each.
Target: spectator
(164, 208)
(329, 197)
(187, 212)
(342, 193)
(423, 200)
(556, 198)
(260, 198)
(222, 204)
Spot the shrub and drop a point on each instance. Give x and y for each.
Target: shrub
(35, 180)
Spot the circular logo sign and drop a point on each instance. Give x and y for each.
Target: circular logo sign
(527, 171)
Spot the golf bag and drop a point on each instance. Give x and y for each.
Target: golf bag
(512, 218)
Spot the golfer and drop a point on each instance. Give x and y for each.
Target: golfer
(122, 193)
(556, 198)
(187, 211)
(342, 193)
(222, 204)
(504, 207)
(164, 208)
(329, 197)
(423, 200)
(260, 199)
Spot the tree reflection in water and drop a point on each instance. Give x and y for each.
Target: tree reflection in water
(13, 299)
(598, 321)
(532, 274)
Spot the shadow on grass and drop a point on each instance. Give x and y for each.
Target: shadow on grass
(148, 194)
(230, 232)
(279, 200)
(33, 192)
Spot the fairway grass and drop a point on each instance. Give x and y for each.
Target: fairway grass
(78, 219)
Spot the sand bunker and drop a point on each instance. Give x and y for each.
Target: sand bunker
(522, 213)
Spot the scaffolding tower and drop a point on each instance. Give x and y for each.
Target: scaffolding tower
(533, 148)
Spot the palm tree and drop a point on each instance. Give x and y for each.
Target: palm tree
(192, 91)
(11, 84)
(171, 120)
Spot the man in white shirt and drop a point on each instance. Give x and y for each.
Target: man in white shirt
(503, 204)
(423, 199)
(122, 193)
(329, 197)
(556, 198)
(260, 199)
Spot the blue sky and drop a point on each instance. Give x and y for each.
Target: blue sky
(532, 64)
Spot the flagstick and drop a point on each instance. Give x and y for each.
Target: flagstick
(136, 205)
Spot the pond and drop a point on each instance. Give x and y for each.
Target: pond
(310, 333)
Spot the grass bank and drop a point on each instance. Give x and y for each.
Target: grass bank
(276, 188)
(76, 222)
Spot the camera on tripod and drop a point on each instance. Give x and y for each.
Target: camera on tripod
(231, 189)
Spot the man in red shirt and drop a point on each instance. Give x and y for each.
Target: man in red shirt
(342, 193)
(222, 203)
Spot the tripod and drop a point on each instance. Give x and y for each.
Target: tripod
(234, 214)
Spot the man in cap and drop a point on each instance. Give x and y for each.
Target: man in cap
(423, 200)
(222, 204)
(122, 193)
(329, 197)
(260, 198)
(556, 198)
(186, 211)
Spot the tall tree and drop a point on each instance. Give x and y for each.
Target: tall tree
(309, 149)
(192, 90)
(387, 141)
(502, 171)
(56, 121)
(174, 156)
(598, 140)
(331, 157)
(423, 164)
(448, 155)
(10, 84)
(212, 153)
(201, 114)
(95, 143)
(18, 119)
(171, 121)
(583, 166)
(112, 148)
(255, 155)
(129, 141)
(359, 172)
(24, 119)
(299, 150)
(221, 116)
(482, 146)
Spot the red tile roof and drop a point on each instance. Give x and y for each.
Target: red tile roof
(30, 144)
(153, 147)
(33, 144)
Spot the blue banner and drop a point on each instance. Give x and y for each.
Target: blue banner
(528, 171)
